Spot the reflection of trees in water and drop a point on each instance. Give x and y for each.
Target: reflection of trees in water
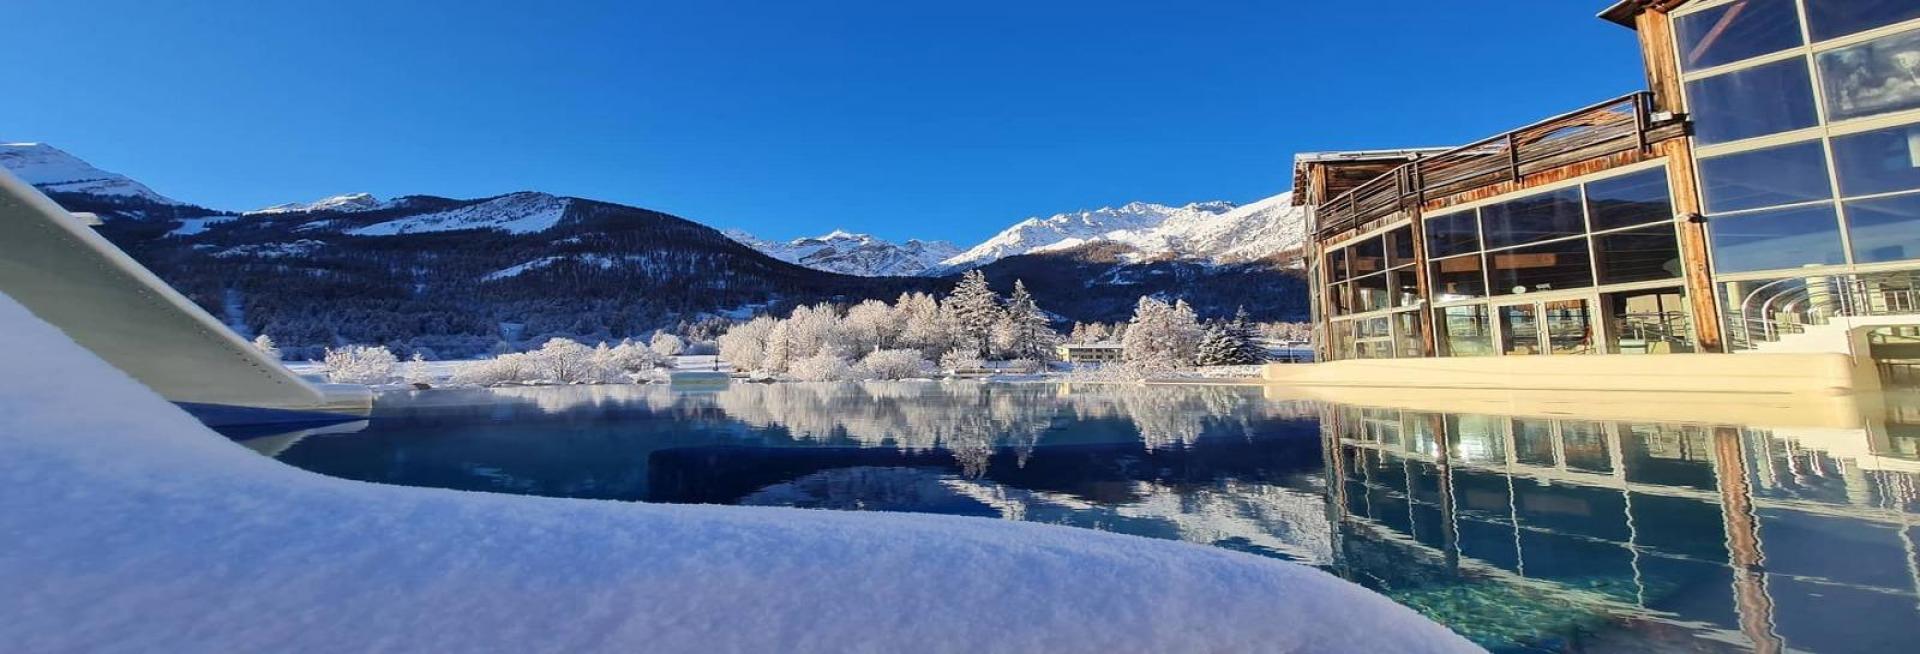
(1263, 518)
(968, 419)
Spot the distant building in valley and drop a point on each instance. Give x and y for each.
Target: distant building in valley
(1092, 353)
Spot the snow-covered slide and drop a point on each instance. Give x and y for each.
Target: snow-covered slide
(69, 276)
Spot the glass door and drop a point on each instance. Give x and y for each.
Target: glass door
(1547, 327)
(1519, 328)
(1569, 326)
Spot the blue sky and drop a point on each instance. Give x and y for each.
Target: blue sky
(903, 119)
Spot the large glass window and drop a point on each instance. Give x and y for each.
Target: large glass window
(1637, 255)
(1569, 325)
(1763, 178)
(1456, 233)
(1875, 77)
(1880, 161)
(1400, 246)
(1535, 218)
(1406, 330)
(1629, 200)
(1466, 331)
(1404, 284)
(1782, 238)
(1458, 278)
(1827, 19)
(1736, 31)
(1548, 267)
(1519, 329)
(1750, 102)
(1884, 229)
(1647, 322)
(1367, 256)
(1337, 265)
(1370, 293)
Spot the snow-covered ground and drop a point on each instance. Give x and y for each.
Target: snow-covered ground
(130, 527)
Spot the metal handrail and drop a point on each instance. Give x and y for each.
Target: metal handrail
(1409, 182)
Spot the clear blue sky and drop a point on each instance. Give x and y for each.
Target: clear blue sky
(904, 119)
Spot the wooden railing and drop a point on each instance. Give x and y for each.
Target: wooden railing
(1619, 125)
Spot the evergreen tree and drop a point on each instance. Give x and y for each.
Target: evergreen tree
(971, 312)
(1244, 336)
(1030, 334)
(1217, 347)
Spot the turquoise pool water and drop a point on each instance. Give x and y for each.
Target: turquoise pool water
(1524, 533)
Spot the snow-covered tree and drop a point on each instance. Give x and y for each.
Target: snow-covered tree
(824, 366)
(360, 364)
(921, 327)
(1028, 332)
(667, 345)
(569, 362)
(631, 358)
(745, 345)
(264, 343)
(959, 360)
(779, 349)
(1088, 332)
(1161, 337)
(812, 330)
(510, 368)
(1243, 336)
(417, 373)
(971, 311)
(896, 364)
(872, 326)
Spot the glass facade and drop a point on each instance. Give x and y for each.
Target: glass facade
(1788, 182)
(1804, 121)
(1567, 246)
(1810, 214)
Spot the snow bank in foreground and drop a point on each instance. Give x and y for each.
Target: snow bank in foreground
(132, 528)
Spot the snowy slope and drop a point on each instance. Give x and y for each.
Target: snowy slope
(854, 254)
(1073, 229)
(348, 203)
(140, 530)
(1217, 232)
(515, 213)
(1255, 231)
(54, 171)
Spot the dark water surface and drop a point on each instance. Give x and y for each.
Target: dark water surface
(1523, 533)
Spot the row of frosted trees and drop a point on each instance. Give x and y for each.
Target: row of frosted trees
(914, 336)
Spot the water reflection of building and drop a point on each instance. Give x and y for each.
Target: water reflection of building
(1763, 195)
(1769, 541)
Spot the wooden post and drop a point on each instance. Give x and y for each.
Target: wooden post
(1684, 180)
(1752, 602)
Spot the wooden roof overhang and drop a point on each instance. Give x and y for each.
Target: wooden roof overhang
(1622, 12)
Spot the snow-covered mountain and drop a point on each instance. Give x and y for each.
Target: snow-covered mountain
(854, 254)
(1217, 232)
(350, 202)
(1067, 230)
(525, 212)
(54, 171)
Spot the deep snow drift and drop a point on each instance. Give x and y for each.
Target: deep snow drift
(130, 527)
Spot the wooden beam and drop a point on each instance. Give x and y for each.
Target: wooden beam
(1684, 181)
(1662, 61)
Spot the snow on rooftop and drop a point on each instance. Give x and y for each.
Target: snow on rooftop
(133, 528)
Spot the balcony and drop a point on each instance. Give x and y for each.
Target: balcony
(1623, 124)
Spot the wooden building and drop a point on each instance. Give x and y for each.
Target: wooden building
(1762, 194)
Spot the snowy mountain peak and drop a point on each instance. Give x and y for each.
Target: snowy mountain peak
(1128, 223)
(54, 171)
(524, 212)
(853, 254)
(348, 203)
